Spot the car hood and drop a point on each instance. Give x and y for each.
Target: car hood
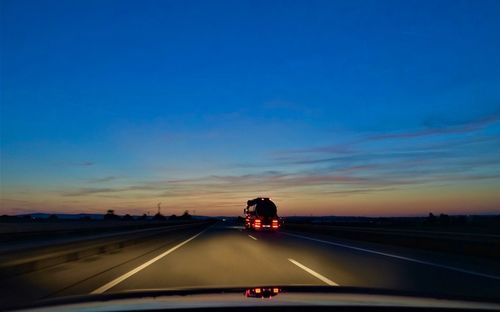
(162, 299)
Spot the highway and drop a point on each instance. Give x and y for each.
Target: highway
(223, 254)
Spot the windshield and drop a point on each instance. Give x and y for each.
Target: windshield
(150, 145)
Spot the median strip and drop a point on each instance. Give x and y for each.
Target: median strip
(313, 273)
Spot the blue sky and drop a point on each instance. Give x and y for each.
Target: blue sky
(360, 107)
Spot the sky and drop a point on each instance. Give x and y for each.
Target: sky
(359, 108)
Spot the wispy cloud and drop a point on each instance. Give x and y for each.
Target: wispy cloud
(103, 179)
(369, 164)
(241, 183)
(449, 128)
(91, 191)
(430, 128)
(84, 163)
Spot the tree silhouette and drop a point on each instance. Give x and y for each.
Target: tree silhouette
(159, 217)
(185, 215)
(431, 219)
(127, 217)
(110, 215)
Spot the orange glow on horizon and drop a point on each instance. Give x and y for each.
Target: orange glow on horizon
(403, 202)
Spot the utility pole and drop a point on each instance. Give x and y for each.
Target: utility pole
(159, 207)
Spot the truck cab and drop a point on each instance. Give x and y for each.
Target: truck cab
(261, 215)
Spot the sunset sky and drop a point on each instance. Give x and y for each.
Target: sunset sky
(374, 108)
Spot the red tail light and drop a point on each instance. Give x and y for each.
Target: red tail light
(275, 224)
(256, 223)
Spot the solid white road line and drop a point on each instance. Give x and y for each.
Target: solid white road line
(442, 266)
(252, 237)
(120, 279)
(313, 273)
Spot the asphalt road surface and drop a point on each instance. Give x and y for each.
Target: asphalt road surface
(224, 254)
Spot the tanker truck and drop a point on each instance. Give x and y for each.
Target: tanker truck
(261, 215)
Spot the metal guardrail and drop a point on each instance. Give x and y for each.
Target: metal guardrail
(482, 245)
(412, 232)
(18, 231)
